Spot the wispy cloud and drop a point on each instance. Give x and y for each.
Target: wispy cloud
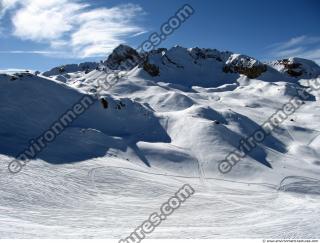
(31, 52)
(72, 27)
(302, 46)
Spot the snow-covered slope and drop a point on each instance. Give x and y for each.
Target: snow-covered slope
(171, 117)
(65, 72)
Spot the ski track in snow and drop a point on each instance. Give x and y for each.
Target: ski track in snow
(90, 200)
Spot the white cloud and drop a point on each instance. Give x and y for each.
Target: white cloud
(302, 46)
(107, 28)
(72, 26)
(44, 21)
(30, 52)
(289, 52)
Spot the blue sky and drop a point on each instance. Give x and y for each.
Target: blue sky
(38, 34)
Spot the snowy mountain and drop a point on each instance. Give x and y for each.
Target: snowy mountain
(195, 66)
(171, 117)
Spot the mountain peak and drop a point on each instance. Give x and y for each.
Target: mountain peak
(120, 56)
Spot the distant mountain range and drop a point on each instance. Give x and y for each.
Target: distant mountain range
(196, 66)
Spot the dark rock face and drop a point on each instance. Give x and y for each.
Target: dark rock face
(123, 58)
(104, 103)
(250, 72)
(198, 53)
(152, 69)
(293, 73)
(245, 65)
(296, 67)
(292, 68)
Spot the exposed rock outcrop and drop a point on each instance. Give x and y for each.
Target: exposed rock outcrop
(123, 58)
(297, 67)
(244, 65)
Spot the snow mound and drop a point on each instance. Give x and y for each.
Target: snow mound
(34, 103)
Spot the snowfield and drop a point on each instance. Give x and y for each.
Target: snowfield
(168, 122)
(108, 198)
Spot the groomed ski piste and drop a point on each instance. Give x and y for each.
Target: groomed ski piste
(109, 170)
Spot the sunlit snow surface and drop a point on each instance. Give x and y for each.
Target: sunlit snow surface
(91, 200)
(111, 169)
